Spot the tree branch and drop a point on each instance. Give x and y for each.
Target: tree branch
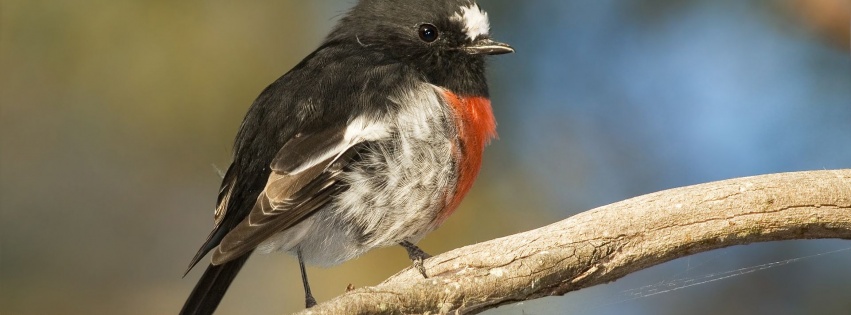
(609, 242)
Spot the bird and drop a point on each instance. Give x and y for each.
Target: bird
(372, 140)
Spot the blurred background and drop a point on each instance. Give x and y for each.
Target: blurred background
(116, 115)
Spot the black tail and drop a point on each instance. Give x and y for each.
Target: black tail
(212, 286)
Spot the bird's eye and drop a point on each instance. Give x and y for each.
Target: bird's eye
(428, 33)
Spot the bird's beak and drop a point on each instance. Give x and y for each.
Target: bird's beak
(486, 46)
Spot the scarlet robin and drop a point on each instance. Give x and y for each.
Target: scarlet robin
(372, 140)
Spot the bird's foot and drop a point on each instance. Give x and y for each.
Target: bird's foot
(417, 256)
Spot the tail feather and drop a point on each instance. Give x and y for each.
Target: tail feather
(212, 286)
(212, 241)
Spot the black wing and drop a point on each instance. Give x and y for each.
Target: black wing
(300, 173)
(293, 191)
(304, 178)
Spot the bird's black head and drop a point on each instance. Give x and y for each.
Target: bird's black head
(445, 40)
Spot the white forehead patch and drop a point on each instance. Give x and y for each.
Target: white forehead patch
(475, 21)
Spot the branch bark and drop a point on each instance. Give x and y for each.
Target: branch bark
(609, 242)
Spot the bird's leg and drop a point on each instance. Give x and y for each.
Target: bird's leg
(417, 255)
(309, 301)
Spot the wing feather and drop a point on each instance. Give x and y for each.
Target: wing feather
(295, 190)
(305, 151)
